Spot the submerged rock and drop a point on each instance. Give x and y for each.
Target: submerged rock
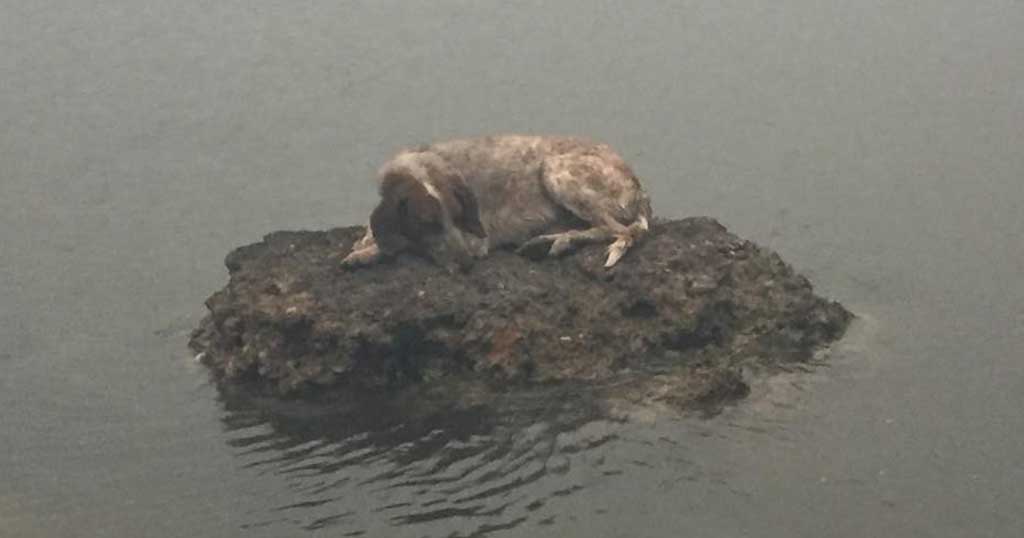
(686, 309)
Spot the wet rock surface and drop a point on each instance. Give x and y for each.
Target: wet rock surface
(676, 321)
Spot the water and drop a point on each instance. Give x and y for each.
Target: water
(875, 145)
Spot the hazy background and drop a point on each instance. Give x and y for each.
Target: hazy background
(877, 145)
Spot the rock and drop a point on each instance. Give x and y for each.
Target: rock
(689, 305)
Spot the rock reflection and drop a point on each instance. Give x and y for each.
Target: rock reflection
(421, 465)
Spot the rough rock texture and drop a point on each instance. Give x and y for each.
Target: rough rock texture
(691, 299)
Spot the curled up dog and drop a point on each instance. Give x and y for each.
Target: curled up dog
(455, 201)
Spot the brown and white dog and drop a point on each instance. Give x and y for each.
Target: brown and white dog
(454, 201)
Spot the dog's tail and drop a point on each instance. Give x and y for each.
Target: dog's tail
(640, 226)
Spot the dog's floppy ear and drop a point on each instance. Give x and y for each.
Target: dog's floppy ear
(419, 212)
(464, 207)
(406, 213)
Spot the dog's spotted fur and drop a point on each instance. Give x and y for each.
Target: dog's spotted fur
(454, 201)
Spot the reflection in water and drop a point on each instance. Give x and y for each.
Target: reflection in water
(415, 464)
(378, 468)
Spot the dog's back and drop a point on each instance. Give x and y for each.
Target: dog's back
(505, 173)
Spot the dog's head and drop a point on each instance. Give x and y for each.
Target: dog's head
(426, 218)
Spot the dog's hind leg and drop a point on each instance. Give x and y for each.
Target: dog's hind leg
(600, 190)
(623, 241)
(564, 241)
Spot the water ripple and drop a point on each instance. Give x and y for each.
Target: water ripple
(376, 468)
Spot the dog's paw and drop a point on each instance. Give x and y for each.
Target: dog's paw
(360, 258)
(617, 250)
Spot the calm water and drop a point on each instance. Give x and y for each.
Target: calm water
(879, 146)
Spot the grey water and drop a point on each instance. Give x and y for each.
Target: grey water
(877, 146)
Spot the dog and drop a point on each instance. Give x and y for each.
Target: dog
(455, 201)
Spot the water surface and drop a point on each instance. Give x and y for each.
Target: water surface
(876, 145)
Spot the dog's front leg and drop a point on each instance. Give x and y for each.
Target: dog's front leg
(367, 255)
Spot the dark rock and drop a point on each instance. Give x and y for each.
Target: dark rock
(691, 301)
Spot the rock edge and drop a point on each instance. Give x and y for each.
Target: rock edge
(689, 306)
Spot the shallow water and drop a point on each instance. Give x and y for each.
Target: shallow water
(876, 146)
